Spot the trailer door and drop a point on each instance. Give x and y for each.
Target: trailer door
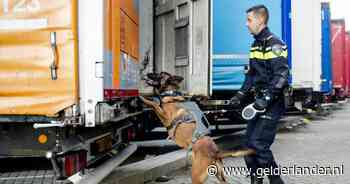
(38, 56)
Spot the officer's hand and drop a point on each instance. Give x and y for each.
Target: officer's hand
(237, 99)
(263, 102)
(260, 104)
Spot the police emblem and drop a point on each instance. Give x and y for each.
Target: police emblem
(277, 49)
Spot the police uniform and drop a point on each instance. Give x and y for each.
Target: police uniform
(268, 73)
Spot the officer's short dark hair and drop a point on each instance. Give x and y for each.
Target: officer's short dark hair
(260, 10)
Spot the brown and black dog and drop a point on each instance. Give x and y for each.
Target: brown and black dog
(204, 150)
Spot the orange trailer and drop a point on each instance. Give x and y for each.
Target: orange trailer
(68, 79)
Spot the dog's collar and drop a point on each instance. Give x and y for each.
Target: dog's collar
(170, 93)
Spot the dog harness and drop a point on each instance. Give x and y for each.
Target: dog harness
(170, 93)
(193, 115)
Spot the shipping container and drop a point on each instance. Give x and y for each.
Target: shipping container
(338, 57)
(326, 86)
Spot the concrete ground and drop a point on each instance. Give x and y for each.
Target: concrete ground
(320, 143)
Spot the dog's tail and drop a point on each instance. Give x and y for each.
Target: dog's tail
(236, 153)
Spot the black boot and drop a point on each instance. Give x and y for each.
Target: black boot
(275, 179)
(256, 179)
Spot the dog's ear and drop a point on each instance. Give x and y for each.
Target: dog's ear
(178, 79)
(154, 76)
(153, 79)
(164, 78)
(175, 80)
(153, 83)
(164, 75)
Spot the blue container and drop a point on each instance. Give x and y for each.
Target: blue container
(231, 39)
(326, 86)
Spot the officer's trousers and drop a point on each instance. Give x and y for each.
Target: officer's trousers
(260, 135)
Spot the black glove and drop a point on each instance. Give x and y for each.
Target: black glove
(264, 101)
(260, 104)
(237, 99)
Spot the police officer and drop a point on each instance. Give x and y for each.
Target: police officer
(266, 78)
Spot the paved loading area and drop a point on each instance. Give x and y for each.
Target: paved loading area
(321, 146)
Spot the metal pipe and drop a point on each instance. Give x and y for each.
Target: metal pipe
(48, 125)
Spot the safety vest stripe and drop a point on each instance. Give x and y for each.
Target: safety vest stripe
(255, 48)
(266, 49)
(267, 55)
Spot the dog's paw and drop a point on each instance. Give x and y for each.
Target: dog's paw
(142, 98)
(145, 100)
(148, 102)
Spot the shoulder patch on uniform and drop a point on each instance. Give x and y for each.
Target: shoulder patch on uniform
(277, 49)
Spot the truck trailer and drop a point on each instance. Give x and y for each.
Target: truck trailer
(69, 80)
(338, 58)
(327, 82)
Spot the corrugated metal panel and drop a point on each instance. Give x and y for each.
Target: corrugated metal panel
(165, 39)
(26, 86)
(231, 39)
(306, 44)
(182, 42)
(338, 49)
(326, 49)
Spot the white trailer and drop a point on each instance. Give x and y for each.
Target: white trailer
(306, 67)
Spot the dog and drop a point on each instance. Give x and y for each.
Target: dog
(185, 124)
